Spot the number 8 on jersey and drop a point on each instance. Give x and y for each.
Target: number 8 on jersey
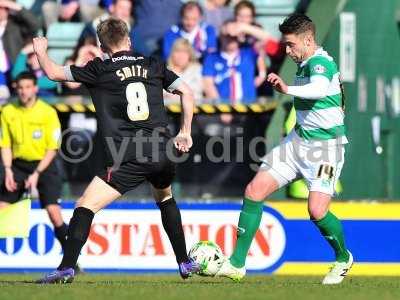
(138, 107)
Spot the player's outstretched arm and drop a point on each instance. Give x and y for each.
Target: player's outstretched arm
(316, 89)
(53, 71)
(183, 141)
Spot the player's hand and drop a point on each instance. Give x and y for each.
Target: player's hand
(11, 185)
(277, 83)
(32, 181)
(183, 142)
(40, 45)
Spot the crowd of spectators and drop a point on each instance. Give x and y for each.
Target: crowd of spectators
(216, 46)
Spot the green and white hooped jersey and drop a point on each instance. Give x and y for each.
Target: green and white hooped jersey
(322, 118)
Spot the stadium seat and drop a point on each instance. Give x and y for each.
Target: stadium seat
(26, 3)
(63, 38)
(275, 7)
(59, 55)
(270, 13)
(64, 35)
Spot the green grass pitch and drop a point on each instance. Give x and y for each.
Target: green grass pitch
(166, 287)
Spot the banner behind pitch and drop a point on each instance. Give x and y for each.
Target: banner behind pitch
(130, 237)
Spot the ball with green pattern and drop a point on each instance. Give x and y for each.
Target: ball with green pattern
(208, 255)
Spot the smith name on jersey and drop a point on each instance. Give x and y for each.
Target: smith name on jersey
(127, 93)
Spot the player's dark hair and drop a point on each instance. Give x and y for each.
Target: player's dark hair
(112, 32)
(297, 24)
(245, 4)
(26, 75)
(190, 5)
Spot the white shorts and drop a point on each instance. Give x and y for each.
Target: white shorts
(318, 162)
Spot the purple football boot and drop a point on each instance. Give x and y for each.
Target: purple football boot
(58, 276)
(187, 269)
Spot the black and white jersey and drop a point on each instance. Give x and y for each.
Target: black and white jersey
(127, 93)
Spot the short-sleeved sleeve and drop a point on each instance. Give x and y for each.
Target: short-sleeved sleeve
(321, 66)
(5, 139)
(208, 66)
(169, 78)
(52, 131)
(87, 74)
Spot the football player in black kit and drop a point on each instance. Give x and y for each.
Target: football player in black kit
(127, 92)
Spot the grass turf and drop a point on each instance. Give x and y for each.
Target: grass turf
(152, 287)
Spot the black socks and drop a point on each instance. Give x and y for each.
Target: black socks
(79, 228)
(78, 232)
(61, 234)
(172, 223)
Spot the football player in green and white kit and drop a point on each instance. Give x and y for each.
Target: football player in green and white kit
(314, 149)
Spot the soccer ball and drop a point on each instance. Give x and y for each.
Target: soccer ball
(208, 255)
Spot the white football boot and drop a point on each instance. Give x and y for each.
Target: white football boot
(338, 271)
(229, 271)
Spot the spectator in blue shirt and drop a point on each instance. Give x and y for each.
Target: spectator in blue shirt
(229, 74)
(200, 35)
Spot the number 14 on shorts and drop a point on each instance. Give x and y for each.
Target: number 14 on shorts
(325, 172)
